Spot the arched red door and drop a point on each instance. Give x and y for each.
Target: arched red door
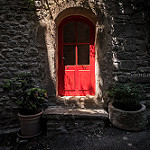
(76, 57)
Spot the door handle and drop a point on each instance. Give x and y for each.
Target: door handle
(67, 67)
(84, 67)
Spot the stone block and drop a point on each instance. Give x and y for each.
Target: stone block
(24, 22)
(10, 32)
(126, 56)
(5, 74)
(142, 63)
(2, 44)
(128, 65)
(3, 69)
(7, 50)
(132, 45)
(14, 24)
(2, 2)
(51, 2)
(12, 44)
(122, 30)
(140, 79)
(24, 43)
(123, 78)
(144, 69)
(13, 68)
(18, 17)
(18, 49)
(2, 59)
(121, 18)
(32, 51)
(57, 125)
(72, 125)
(9, 17)
(5, 38)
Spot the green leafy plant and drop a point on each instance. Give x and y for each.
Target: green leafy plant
(27, 97)
(126, 96)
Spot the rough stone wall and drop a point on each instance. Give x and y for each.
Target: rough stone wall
(22, 49)
(130, 40)
(28, 43)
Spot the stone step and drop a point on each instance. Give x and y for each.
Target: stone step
(66, 120)
(52, 112)
(84, 102)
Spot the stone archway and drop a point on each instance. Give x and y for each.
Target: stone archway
(102, 40)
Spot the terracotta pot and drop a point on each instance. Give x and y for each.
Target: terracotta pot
(128, 120)
(30, 124)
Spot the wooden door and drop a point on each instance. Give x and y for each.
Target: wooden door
(76, 57)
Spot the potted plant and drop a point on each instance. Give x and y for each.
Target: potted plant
(29, 100)
(125, 110)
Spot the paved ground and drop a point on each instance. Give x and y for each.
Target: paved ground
(108, 139)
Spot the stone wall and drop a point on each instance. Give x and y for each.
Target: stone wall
(28, 43)
(22, 49)
(130, 40)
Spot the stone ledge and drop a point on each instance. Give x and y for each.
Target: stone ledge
(52, 112)
(83, 102)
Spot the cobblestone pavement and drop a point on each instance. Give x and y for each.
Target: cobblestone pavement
(108, 139)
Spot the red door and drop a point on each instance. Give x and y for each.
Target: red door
(76, 57)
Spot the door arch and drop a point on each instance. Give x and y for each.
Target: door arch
(76, 57)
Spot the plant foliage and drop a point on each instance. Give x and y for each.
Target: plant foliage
(29, 98)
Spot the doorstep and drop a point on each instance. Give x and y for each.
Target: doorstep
(78, 113)
(68, 120)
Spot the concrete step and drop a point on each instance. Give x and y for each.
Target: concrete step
(67, 120)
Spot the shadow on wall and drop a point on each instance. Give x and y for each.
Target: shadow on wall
(104, 53)
(44, 41)
(121, 44)
(24, 49)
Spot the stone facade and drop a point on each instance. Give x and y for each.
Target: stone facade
(28, 43)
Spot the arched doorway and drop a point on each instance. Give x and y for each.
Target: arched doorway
(76, 57)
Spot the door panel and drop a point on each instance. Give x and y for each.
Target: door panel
(84, 80)
(76, 52)
(70, 80)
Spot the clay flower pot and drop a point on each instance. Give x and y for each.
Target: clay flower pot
(128, 120)
(30, 124)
